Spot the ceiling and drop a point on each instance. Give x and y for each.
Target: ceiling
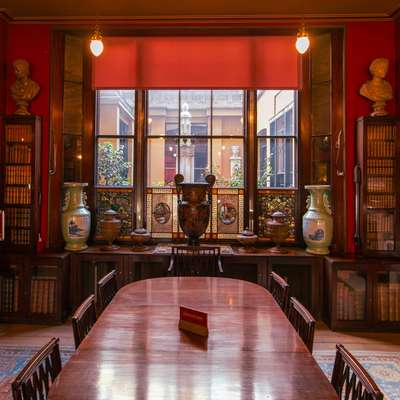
(130, 9)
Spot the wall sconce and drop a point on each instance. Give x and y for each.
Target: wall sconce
(96, 42)
(302, 41)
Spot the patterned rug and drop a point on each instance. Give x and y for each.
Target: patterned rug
(12, 359)
(384, 367)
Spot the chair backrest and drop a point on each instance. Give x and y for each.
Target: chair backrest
(35, 379)
(279, 289)
(195, 261)
(350, 380)
(302, 321)
(83, 319)
(106, 289)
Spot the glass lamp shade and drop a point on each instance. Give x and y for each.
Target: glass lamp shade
(96, 46)
(302, 43)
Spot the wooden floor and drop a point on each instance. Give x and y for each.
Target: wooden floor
(325, 339)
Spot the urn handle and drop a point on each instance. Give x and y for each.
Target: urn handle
(85, 200)
(66, 200)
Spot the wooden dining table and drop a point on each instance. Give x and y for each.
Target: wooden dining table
(136, 351)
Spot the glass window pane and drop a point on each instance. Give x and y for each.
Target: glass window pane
(73, 58)
(321, 148)
(119, 200)
(321, 109)
(194, 159)
(275, 113)
(116, 112)
(162, 161)
(72, 158)
(276, 163)
(115, 162)
(228, 162)
(163, 112)
(72, 117)
(195, 112)
(227, 113)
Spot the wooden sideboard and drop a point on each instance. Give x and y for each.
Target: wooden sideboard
(303, 271)
(74, 277)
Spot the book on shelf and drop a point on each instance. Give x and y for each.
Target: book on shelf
(7, 294)
(43, 295)
(351, 298)
(388, 302)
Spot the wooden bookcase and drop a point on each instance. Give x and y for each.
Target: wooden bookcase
(362, 293)
(377, 189)
(20, 182)
(34, 288)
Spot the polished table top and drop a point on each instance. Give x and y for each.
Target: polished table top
(135, 350)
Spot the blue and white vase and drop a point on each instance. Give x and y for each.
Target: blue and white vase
(318, 221)
(75, 218)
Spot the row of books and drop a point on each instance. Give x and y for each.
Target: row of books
(9, 292)
(20, 217)
(19, 133)
(43, 295)
(381, 149)
(384, 184)
(18, 175)
(380, 223)
(381, 132)
(380, 244)
(381, 201)
(18, 154)
(351, 300)
(386, 163)
(388, 302)
(20, 236)
(17, 195)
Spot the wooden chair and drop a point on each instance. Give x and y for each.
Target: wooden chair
(106, 289)
(279, 289)
(83, 319)
(35, 379)
(195, 261)
(350, 380)
(302, 321)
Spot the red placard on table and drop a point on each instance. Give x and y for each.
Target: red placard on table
(193, 321)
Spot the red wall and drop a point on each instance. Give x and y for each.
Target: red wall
(32, 42)
(365, 41)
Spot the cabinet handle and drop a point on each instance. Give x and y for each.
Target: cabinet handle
(53, 168)
(338, 146)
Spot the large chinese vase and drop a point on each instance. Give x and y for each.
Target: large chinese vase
(194, 207)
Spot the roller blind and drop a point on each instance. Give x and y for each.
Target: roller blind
(228, 62)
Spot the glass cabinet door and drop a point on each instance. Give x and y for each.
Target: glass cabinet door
(10, 289)
(351, 295)
(43, 289)
(388, 296)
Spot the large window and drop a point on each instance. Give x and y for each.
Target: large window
(114, 154)
(277, 154)
(277, 135)
(195, 133)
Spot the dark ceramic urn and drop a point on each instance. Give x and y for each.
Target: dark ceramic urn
(194, 204)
